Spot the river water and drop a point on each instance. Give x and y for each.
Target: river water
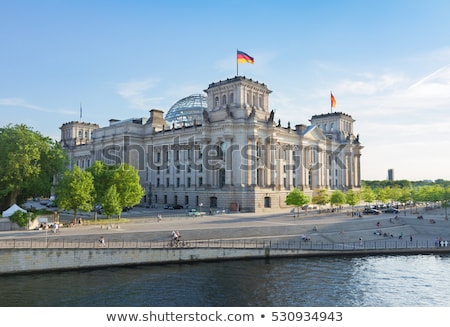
(376, 281)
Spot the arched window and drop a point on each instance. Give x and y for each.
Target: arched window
(231, 97)
(216, 102)
(224, 99)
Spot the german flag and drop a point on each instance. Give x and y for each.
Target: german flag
(333, 101)
(243, 58)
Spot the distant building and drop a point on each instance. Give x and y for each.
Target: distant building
(390, 174)
(235, 156)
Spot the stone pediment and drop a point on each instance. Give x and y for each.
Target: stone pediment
(315, 133)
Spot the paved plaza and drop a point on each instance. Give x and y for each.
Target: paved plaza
(142, 225)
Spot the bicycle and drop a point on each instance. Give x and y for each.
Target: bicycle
(176, 243)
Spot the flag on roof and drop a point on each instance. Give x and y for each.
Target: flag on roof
(333, 101)
(243, 58)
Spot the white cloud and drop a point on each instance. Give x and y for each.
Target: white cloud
(136, 93)
(22, 103)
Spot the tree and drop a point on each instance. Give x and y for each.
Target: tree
(382, 195)
(111, 202)
(20, 218)
(28, 162)
(126, 179)
(352, 198)
(297, 198)
(368, 195)
(337, 198)
(75, 191)
(322, 197)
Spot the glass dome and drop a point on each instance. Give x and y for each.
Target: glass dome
(187, 110)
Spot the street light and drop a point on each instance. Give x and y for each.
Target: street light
(200, 205)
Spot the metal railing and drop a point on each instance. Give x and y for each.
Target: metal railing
(234, 244)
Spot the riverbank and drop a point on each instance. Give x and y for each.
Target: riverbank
(369, 235)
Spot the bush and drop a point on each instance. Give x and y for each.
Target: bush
(20, 218)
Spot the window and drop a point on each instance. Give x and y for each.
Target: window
(157, 183)
(224, 99)
(216, 102)
(178, 181)
(188, 182)
(200, 181)
(231, 97)
(158, 170)
(167, 182)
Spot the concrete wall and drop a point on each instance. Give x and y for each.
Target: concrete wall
(28, 260)
(31, 260)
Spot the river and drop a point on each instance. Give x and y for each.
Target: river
(375, 281)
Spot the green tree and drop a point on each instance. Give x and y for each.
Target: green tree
(28, 162)
(368, 195)
(75, 191)
(126, 179)
(297, 198)
(102, 175)
(381, 194)
(337, 198)
(322, 197)
(111, 202)
(20, 218)
(352, 198)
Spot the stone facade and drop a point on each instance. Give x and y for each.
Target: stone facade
(237, 158)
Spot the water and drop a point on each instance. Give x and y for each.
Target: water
(377, 281)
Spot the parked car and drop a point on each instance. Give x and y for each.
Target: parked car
(370, 211)
(391, 210)
(98, 209)
(51, 204)
(194, 212)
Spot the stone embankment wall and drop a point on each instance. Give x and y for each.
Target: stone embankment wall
(33, 260)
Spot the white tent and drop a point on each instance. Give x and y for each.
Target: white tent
(8, 212)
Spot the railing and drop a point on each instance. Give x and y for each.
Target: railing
(234, 244)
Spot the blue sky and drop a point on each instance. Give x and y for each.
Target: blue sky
(386, 62)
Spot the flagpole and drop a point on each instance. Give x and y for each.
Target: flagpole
(331, 102)
(237, 63)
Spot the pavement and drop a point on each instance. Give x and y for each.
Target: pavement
(142, 225)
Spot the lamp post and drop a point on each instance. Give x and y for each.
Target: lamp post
(200, 205)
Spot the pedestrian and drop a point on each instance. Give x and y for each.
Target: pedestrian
(410, 238)
(360, 241)
(159, 217)
(102, 241)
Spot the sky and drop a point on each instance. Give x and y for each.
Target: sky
(386, 62)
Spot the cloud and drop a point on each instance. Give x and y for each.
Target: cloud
(22, 103)
(136, 93)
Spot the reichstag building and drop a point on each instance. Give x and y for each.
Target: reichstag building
(225, 149)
